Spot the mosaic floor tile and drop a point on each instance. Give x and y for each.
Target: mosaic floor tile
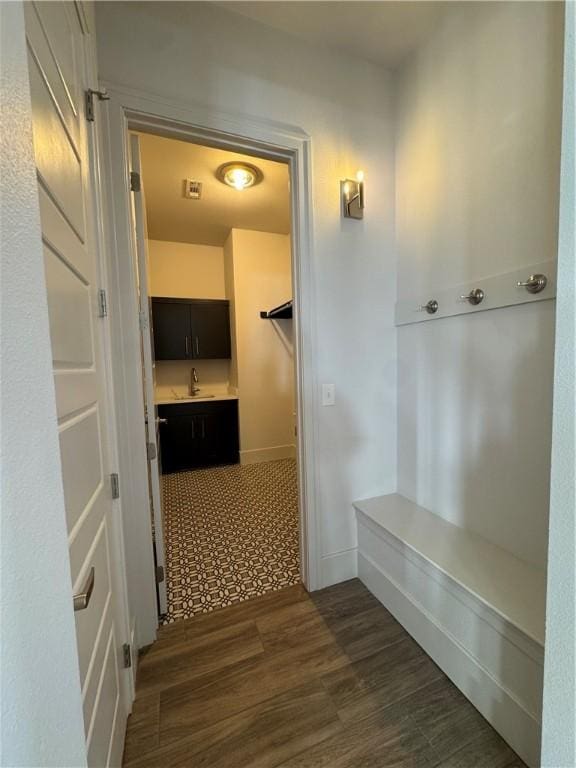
(231, 533)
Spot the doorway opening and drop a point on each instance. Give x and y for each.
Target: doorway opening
(215, 280)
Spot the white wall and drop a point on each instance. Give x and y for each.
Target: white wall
(194, 52)
(41, 702)
(187, 271)
(559, 719)
(477, 189)
(261, 263)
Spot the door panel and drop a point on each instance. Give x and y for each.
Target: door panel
(50, 22)
(60, 238)
(91, 688)
(89, 620)
(57, 163)
(58, 62)
(106, 709)
(81, 464)
(171, 330)
(68, 296)
(210, 330)
(85, 535)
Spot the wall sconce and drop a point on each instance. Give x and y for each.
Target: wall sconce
(352, 192)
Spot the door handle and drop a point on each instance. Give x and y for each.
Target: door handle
(197, 345)
(82, 599)
(161, 421)
(186, 341)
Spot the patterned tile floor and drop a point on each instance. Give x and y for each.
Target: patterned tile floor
(231, 534)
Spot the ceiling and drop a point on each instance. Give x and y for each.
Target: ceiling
(166, 163)
(381, 32)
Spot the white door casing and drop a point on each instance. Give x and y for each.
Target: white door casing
(58, 58)
(142, 272)
(134, 110)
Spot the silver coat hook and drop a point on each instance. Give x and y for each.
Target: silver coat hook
(476, 296)
(431, 307)
(534, 284)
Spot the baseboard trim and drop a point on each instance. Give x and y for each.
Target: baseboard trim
(337, 567)
(495, 702)
(259, 455)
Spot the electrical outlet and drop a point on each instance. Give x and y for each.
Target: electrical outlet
(328, 394)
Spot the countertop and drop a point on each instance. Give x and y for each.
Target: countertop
(199, 399)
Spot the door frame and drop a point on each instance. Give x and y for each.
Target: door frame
(129, 109)
(140, 228)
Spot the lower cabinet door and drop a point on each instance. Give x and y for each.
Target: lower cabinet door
(210, 437)
(198, 435)
(177, 442)
(225, 425)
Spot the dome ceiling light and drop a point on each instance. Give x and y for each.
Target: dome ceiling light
(239, 175)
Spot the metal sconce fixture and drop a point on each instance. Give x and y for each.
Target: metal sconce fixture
(352, 193)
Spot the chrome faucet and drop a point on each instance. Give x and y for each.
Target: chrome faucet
(193, 382)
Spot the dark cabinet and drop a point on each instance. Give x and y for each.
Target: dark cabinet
(191, 329)
(171, 326)
(198, 435)
(210, 329)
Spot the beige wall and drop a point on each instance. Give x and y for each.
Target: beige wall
(258, 277)
(187, 271)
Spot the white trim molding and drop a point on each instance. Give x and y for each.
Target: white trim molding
(275, 452)
(131, 109)
(499, 291)
(338, 567)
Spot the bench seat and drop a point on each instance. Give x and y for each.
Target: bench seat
(476, 609)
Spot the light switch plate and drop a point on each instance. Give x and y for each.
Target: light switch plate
(328, 394)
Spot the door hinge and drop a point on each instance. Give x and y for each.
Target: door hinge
(127, 655)
(89, 101)
(115, 485)
(151, 451)
(102, 303)
(143, 320)
(159, 574)
(134, 181)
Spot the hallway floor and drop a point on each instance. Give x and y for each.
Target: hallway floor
(231, 534)
(292, 680)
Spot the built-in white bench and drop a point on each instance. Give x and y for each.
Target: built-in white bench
(477, 610)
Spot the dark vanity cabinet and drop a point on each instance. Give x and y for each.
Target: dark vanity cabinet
(191, 329)
(198, 435)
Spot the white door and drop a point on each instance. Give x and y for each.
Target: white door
(142, 272)
(59, 54)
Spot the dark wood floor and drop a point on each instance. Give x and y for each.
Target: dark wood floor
(328, 680)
